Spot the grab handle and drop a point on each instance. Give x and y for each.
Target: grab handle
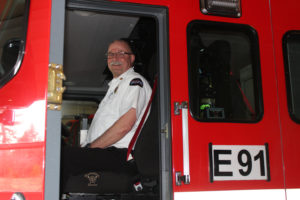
(185, 178)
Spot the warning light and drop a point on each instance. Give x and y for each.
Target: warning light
(228, 8)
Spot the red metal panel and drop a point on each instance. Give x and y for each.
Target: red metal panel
(23, 112)
(285, 17)
(255, 13)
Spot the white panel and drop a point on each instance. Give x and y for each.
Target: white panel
(276, 194)
(293, 194)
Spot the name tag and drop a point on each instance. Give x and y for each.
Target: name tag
(239, 162)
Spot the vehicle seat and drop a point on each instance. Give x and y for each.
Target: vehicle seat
(146, 161)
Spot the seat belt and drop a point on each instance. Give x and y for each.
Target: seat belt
(137, 132)
(246, 101)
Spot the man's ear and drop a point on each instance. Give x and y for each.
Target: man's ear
(132, 58)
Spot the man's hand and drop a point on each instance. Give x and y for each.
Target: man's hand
(117, 131)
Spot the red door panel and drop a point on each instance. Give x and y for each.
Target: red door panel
(283, 21)
(201, 134)
(23, 110)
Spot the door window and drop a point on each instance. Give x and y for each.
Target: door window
(291, 46)
(12, 36)
(224, 73)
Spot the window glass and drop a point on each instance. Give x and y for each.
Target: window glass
(12, 34)
(224, 77)
(291, 45)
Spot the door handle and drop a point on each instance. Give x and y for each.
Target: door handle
(185, 178)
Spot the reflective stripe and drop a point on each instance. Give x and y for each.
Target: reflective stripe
(293, 194)
(276, 194)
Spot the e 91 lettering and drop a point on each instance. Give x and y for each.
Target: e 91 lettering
(237, 162)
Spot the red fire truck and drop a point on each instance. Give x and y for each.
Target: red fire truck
(226, 110)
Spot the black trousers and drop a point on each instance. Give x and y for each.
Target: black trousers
(76, 160)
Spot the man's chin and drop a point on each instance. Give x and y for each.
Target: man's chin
(116, 73)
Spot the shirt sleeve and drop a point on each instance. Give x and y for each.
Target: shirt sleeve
(134, 97)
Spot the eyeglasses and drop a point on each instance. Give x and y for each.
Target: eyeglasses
(120, 54)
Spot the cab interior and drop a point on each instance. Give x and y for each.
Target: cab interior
(87, 36)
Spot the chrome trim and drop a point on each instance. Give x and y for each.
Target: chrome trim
(18, 196)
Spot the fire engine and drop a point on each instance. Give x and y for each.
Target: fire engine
(224, 122)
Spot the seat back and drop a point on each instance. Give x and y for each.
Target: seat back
(146, 151)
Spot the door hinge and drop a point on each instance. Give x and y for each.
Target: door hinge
(55, 88)
(165, 130)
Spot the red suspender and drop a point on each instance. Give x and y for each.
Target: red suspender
(137, 132)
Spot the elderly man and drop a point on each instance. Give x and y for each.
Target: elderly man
(116, 119)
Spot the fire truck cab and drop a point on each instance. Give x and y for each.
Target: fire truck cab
(224, 122)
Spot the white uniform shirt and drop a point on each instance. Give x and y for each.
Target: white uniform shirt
(129, 90)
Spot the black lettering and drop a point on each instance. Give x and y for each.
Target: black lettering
(218, 162)
(261, 158)
(247, 164)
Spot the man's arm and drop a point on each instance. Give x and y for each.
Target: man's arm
(117, 131)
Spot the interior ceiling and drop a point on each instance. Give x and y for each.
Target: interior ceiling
(87, 36)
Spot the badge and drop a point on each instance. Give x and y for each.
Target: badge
(136, 81)
(93, 177)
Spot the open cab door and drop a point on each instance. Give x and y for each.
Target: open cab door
(81, 33)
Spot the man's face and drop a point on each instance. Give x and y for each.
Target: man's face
(119, 58)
